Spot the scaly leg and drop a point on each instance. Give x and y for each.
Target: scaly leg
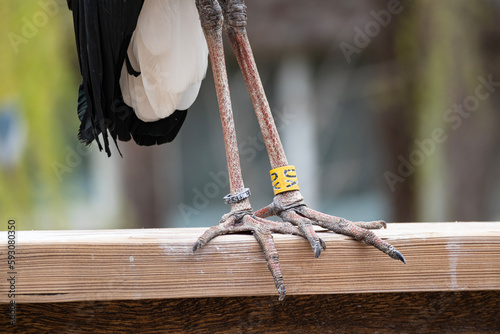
(288, 204)
(298, 218)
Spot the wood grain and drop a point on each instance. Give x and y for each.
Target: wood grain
(424, 312)
(63, 266)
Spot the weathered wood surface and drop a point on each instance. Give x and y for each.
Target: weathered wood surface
(63, 266)
(424, 312)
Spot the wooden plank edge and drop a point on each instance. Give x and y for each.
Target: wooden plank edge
(64, 266)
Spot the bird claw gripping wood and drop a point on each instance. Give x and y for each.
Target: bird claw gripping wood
(288, 204)
(262, 229)
(298, 219)
(290, 207)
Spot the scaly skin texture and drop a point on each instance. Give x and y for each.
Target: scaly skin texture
(297, 218)
(211, 21)
(235, 27)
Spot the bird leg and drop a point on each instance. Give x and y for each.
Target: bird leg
(240, 218)
(297, 218)
(288, 205)
(211, 21)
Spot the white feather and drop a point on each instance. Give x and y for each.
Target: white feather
(169, 49)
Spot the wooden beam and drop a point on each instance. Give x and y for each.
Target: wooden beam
(416, 312)
(62, 266)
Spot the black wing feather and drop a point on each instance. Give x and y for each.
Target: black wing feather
(103, 30)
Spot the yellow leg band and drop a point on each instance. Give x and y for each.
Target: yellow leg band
(284, 179)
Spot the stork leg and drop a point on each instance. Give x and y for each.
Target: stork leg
(288, 205)
(297, 218)
(240, 218)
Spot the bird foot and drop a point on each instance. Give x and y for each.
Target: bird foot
(290, 207)
(262, 229)
(299, 220)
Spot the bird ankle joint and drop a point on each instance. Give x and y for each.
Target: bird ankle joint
(235, 13)
(210, 12)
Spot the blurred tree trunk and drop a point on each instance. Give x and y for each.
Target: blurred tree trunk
(490, 51)
(398, 110)
(440, 133)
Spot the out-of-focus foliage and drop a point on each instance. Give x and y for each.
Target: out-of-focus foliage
(35, 77)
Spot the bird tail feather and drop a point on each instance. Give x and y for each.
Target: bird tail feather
(169, 51)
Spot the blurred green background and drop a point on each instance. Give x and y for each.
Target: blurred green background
(388, 109)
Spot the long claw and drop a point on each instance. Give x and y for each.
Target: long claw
(323, 244)
(306, 226)
(225, 226)
(354, 230)
(395, 254)
(282, 292)
(209, 234)
(266, 241)
(197, 245)
(317, 251)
